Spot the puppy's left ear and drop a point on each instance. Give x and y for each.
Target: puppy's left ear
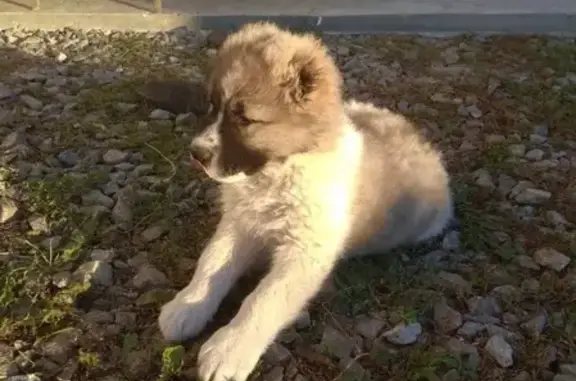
(310, 72)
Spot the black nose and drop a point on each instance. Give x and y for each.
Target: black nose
(201, 153)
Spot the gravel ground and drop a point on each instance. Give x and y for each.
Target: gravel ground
(101, 219)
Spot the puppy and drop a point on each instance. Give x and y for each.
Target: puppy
(307, 180)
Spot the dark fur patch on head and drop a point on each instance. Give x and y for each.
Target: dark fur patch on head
(278, 94)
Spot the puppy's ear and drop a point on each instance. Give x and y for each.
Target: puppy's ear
(306, 75)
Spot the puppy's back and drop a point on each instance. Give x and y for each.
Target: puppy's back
(403, 192)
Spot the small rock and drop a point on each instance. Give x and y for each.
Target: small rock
(95, 272)
(275, 374)
(533, 196)
(523, 376)
(536, 325)
(517, 150)
(96, 197)
(149, 276)
(61, 279)
(483, 178)
(505, 184)
(404, 334)
(153, 233)
(98, 317)
(557, 219)
(335, 343)
(122, 212)
(526, 262)
(61, 57)
(451, 241)
(541, 130)
(60, 346)
(551, 258)
(474, 111)
(446, 318)
(276, 354)
(500, 351)
(470, 329)
(125, 319)
(185, 119)
(8, 209)
(451, 375)
(103, 255)
(564, 377)
(568, 369)
(68, 158)
(155, 297)
(369, 327)
(484, 306)
(159, 114)
(534, 155)
(138, 364)
(114, 156)
(494, 330)
(31, 102)
(453, 282)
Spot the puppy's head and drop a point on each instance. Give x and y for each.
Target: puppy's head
(272, 94)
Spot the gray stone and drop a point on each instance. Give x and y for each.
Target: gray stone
(483, 178)
(530, 285)
(369, 327)
(103, 255)
(526, 262)
(336, 343)
(557, 219)
(276, 354)
(471, 329)
(517, 150)
(451, 241)
(69, 158)
(453, 282)
(114, 156)
(535, 154)
(98, 317)
(149, 276)
(159, 114)
(96, 197)
(59, 347)
(500, 351)
(535, 326)
(446, 318)
(31, 102)
(569, 369)
(487, 305)
(523, 376)
(153, 233)
(551, 258)
(541, 129)
(95, 272)
(138, 364)
(404, 334)
(122, 212)
(564, 377)
(125, 319)
(275, 374)
(533, 196)
(62, 279)
(537, 139)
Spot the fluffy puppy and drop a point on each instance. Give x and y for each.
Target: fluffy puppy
(306, 178)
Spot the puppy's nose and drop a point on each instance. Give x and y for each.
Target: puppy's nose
(201, 153)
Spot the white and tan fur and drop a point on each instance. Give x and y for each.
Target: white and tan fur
(380, 185)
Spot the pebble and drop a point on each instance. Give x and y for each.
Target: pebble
(517, 150)
(446, 318)
(500, 351)
(106, 255)
(276, 354)
(369, 327)
(31, 102)
(114, 156)
(404, 334)
(336, 343)
(149, 276)
(533, 196)
(8, 209)
(453, 282)
(69, 158)
(159, 114)
(526, 262)
(95, 272)
(470, 329)
(535, 326)
(535, 155)
(551, 258)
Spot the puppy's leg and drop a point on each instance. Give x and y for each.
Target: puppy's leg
(223, 261)
(296, 275)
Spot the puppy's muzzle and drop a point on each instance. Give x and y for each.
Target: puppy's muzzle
(201, 154)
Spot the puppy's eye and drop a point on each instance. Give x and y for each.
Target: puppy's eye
(240, 116)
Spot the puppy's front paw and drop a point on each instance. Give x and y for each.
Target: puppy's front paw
(229, 355)
(180, 321)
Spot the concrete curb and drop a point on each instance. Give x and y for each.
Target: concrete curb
(528, 23)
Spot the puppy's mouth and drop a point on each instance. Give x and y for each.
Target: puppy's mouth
(196, 164)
